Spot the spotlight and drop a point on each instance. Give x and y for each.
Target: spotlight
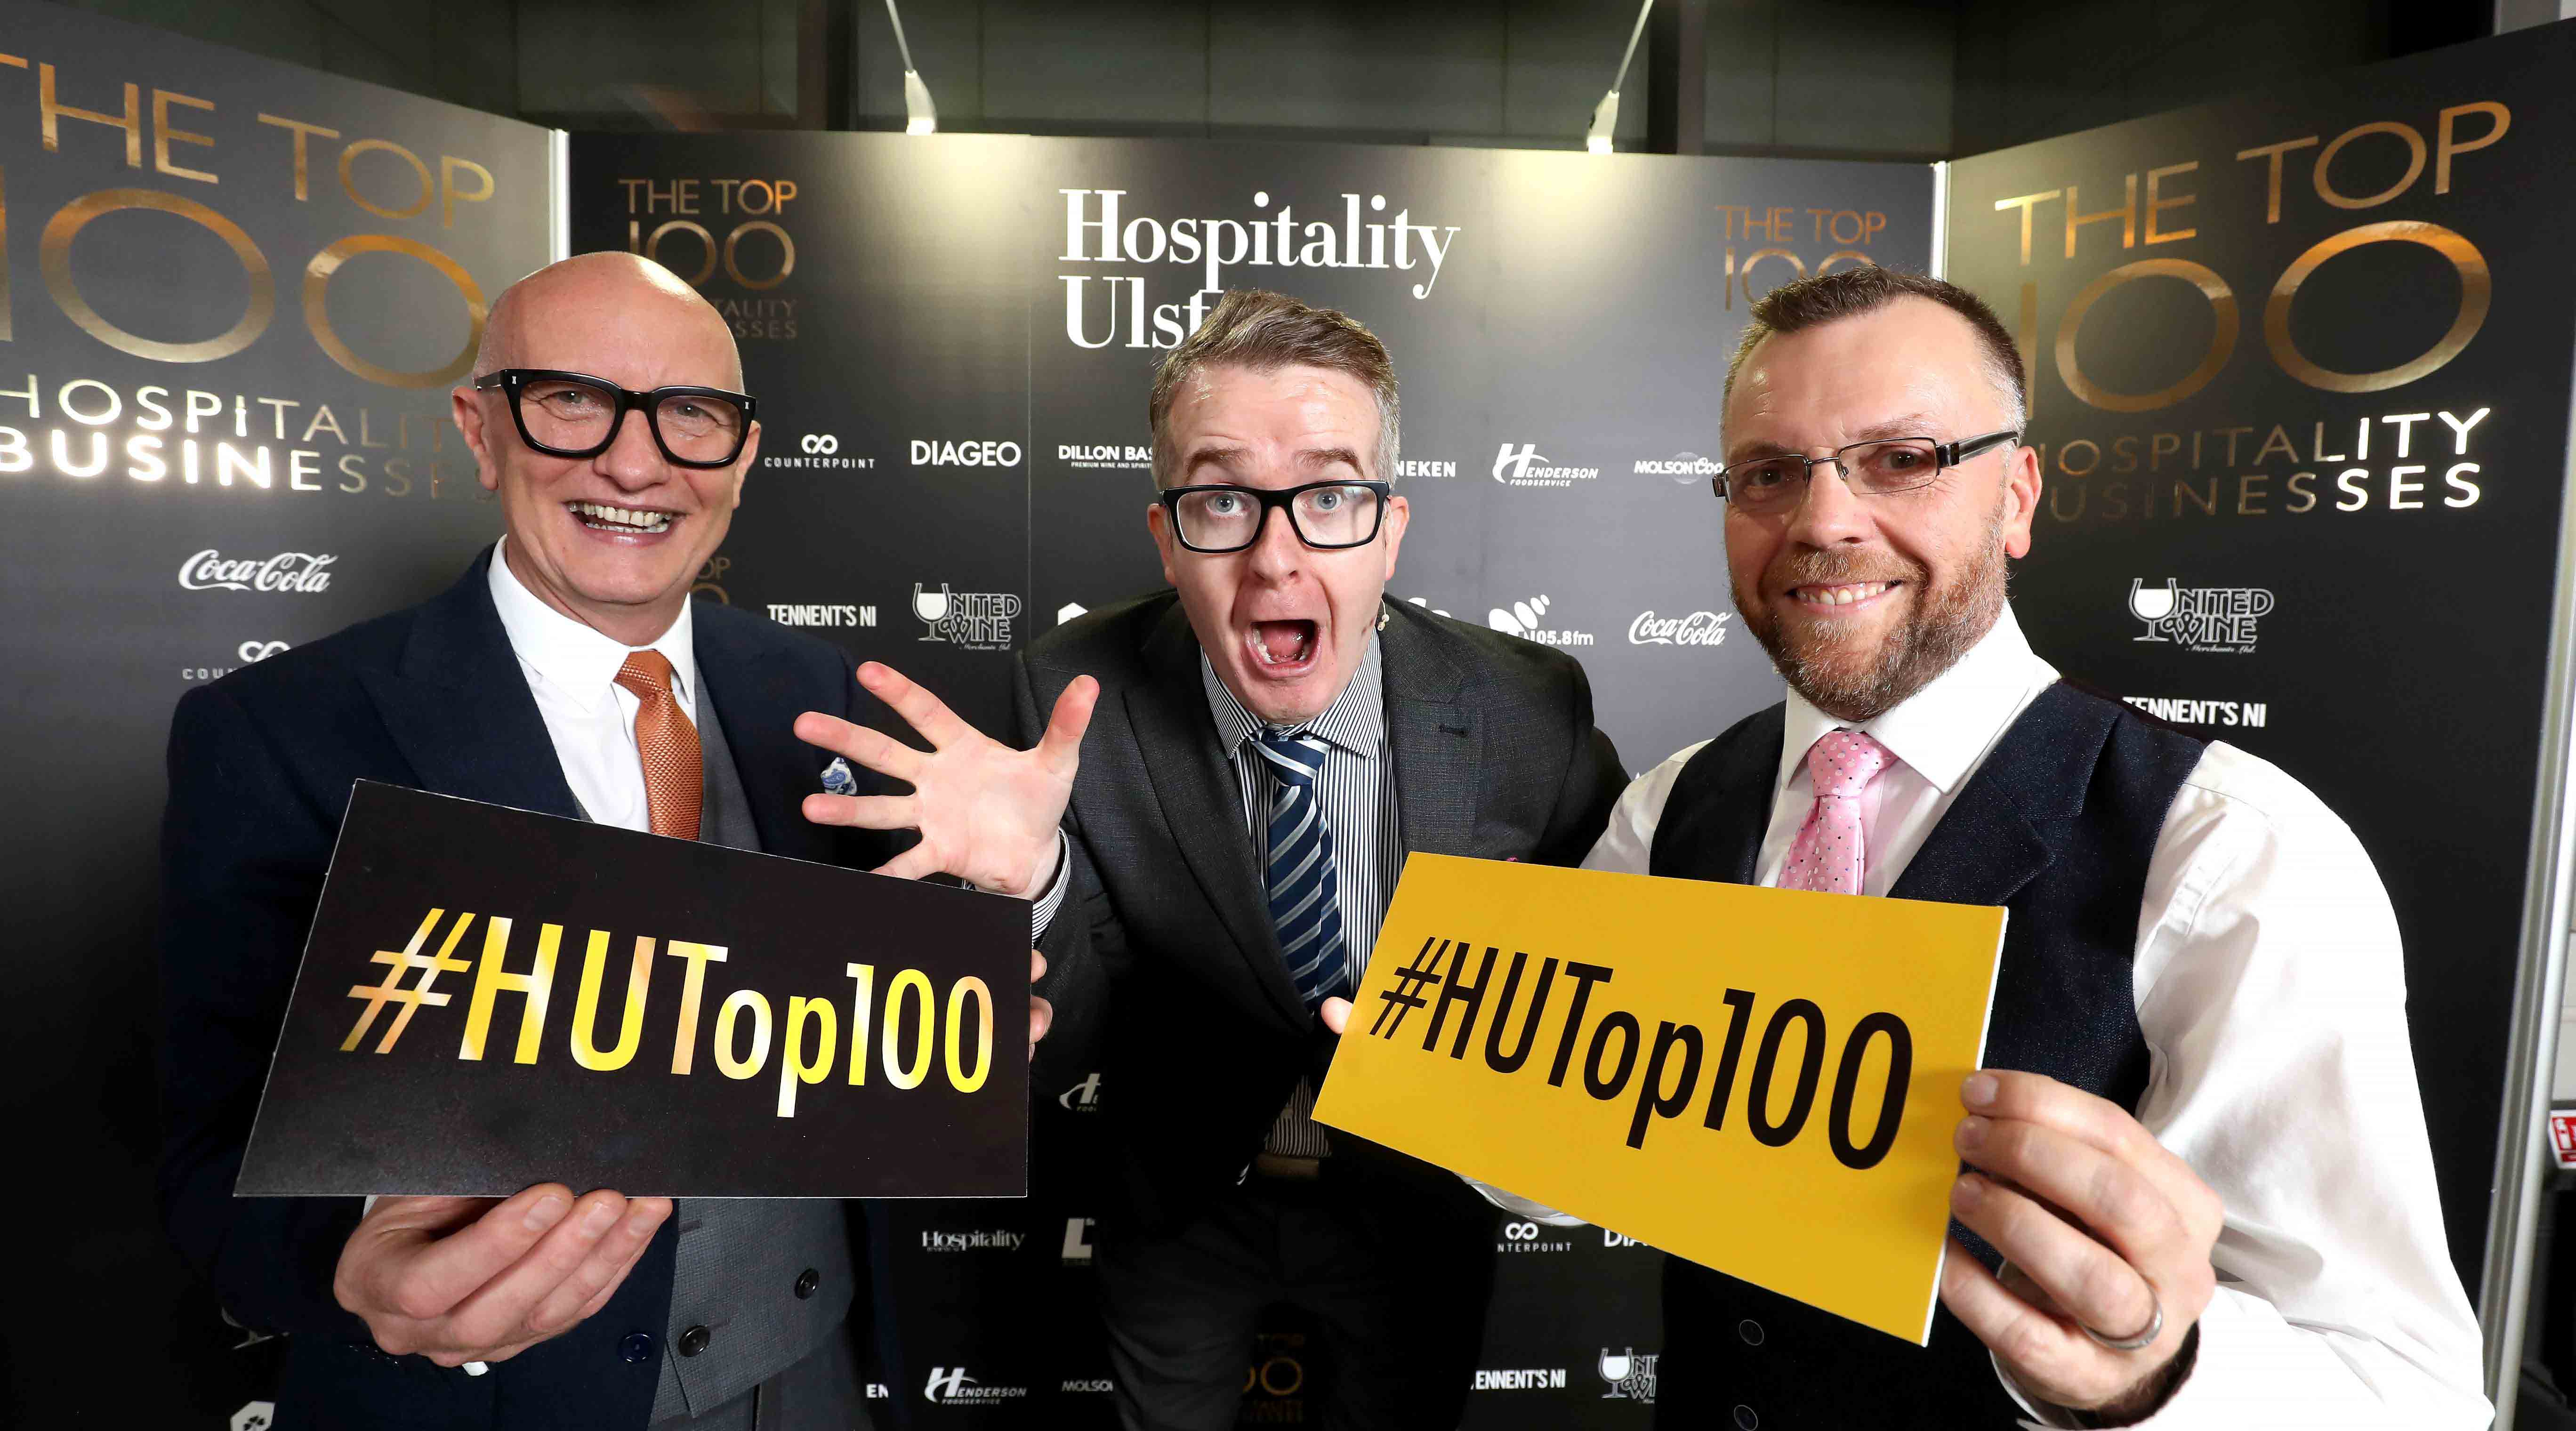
(920, 115)
(1605, 115)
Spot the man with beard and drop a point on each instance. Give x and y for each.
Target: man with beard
(2198, 1189)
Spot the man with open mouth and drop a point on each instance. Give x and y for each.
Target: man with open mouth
(1272, 737)
(2197, 1187)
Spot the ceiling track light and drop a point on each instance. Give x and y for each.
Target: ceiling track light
(920, 116)
(1605, 115)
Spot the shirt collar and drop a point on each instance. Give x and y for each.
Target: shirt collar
(1944, 729)
(1355, 721)
(574, 659)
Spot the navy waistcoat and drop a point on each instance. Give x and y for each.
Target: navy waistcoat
(2058, 827)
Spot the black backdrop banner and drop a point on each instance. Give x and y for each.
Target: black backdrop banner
(236, 294)
(952, 340)
(2301, 395)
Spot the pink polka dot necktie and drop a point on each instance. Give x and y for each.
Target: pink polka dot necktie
(1827, 855)
(674, 772)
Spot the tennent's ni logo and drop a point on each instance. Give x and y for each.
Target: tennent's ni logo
(2200, 618)
(1527, 620)
(1526, 468)
(1631, 1377)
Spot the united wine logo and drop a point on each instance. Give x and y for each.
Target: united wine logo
(914, 1027)
(2200, 618)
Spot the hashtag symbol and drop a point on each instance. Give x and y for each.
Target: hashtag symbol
(1407, 993)
(391, 990)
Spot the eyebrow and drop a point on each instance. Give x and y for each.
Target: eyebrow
(1226, 457)
(1912, 424)
(1329, 456)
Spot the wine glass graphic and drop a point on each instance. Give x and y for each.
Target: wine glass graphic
(930, 606)
(1614, 1369)
(2151, 606)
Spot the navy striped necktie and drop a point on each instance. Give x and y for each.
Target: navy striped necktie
(1305, 893)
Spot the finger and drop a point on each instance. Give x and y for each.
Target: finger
(600, 1298)
(433, 1280)
(2044, 1353)
(920, 709)
(498, 1312)
(1041, 1018)
(1037, 966)
(865, 812)
(599, 1273)
(874, 749)
(1060, 749)
(2116, 1202)
(913, 863)
(1336, 1014)
(2036, 1098)
(425, 1214)
(2089, 1281)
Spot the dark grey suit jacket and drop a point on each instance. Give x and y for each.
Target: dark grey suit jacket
(1165, 971)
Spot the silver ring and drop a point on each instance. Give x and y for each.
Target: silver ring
(2147, 1338)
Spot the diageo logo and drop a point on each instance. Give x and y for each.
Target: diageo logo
(914, 1034)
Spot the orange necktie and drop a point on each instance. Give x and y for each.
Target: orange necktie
(673, 773)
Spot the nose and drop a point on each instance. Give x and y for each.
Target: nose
(1828, 513)
(632, 461)
(1277, 554)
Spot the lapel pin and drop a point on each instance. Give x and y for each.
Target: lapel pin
(837, 779)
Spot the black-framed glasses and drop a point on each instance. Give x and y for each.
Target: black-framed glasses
(1327, 516)
(1870, 469)
(566, 414)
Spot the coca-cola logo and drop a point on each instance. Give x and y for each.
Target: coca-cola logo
(1700, 628)
(210, 570)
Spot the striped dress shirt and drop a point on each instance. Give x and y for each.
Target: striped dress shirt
(1355, 792)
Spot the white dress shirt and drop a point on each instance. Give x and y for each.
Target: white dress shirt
(2270, 985)
(572, 671)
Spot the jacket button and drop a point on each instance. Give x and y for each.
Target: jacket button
(806, 1282)
(694, 1341)
(1750, 1330)
(1745, 1418)
(637, 1347)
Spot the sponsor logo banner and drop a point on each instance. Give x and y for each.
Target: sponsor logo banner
(1524, 467)
(976, 620)
(1683, 467)
(1525, 1026)
(1528, 621)
(842, 614)
(1700, 628)
(1631, 1377)
(306, 573)
(2200, 618)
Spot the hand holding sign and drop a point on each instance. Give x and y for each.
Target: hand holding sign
(461, 1279)
(2101, 1228)
(987, 813)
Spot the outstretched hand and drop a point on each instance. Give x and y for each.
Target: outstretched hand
(987, 813)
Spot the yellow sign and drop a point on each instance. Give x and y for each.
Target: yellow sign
(1762, 1081)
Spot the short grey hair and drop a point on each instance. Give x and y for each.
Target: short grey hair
(1850, 292)
(1264, 332)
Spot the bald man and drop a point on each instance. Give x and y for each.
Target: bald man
(605, 414)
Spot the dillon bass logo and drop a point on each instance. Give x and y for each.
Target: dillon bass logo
(1631, 1377)
(287, 571)
(2200, 618)
(1526, 468)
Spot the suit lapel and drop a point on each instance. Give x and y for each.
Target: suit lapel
(755, 696)
(1747, 784)
(459, 708)
(1436, 741)
(1202, 802)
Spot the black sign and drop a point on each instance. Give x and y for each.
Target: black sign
(493, 998)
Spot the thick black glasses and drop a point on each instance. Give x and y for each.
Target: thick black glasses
(1870, 469)
(576, 415)
(1327, 516)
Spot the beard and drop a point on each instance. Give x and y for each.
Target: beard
(1838, 672)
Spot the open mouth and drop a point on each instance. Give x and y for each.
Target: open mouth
(625, 521)
(1849, 593)
(1282, 646)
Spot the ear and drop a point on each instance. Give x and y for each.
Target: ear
(1399, 513)
(2021, 500)
(742, 465)
(465, 404)
(1158, 522)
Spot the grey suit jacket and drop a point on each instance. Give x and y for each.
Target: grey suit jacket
(1163, 965)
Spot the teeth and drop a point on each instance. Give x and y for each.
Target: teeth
(600, 513)
(1845, 595)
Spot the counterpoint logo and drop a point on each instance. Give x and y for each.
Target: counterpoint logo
(1523, 620)
(1683, 467)
(1526, 468)
(303, 572)
(1700, 628)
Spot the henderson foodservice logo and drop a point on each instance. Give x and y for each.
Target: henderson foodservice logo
(1525, 466)
(951, 1386)
(302, 572)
